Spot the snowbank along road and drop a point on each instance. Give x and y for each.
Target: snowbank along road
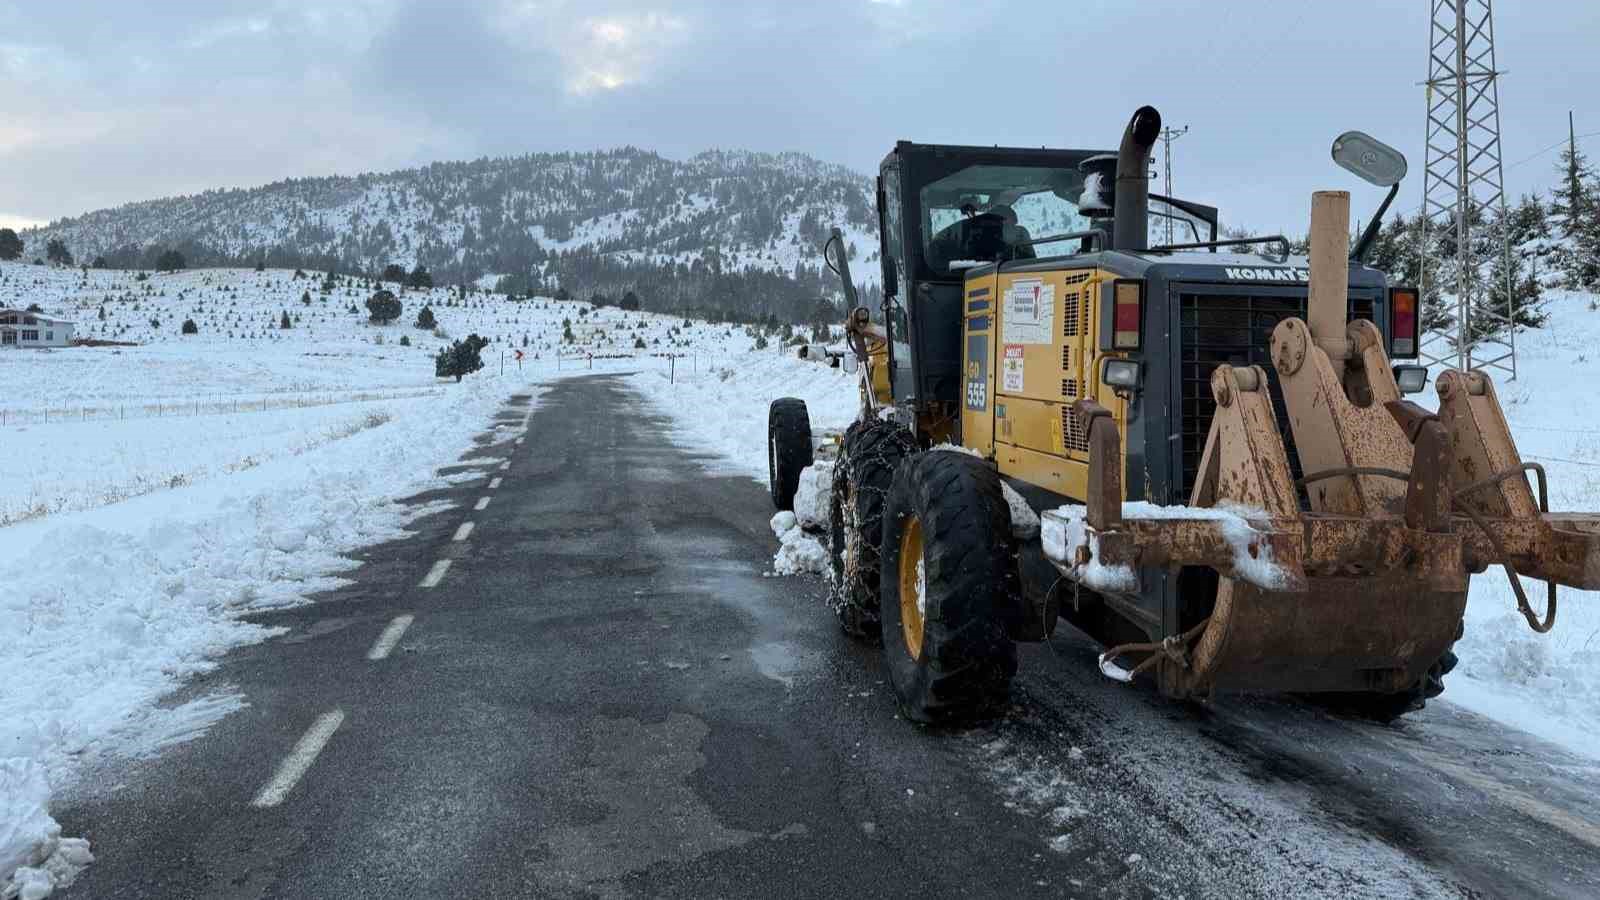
(578, 680)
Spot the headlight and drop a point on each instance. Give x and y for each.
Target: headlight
(1120, 373)
(1411, 379)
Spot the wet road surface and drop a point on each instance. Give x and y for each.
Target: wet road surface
(593, 690)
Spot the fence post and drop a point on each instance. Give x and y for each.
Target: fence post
(672, 369)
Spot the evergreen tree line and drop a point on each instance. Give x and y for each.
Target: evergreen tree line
(1554, 243)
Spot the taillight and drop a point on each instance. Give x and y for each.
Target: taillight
(1403, 321)
(1128, 313)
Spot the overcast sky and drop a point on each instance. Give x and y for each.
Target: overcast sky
(110, 102)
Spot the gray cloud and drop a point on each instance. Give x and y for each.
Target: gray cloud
(108, 103)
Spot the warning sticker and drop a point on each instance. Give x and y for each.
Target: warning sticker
(1011, 368)
(1029, 313)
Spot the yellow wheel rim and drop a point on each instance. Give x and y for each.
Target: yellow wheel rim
(912, 586)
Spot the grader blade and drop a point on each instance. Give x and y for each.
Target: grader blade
(1353, 577)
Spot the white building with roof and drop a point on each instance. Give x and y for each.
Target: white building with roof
(23, 329)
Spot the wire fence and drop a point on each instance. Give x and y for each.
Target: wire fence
(200, 406)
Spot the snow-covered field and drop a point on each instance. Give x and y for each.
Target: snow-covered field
(132, 544)
(1548, 685)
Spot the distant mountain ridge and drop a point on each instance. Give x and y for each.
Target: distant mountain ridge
(704, 232)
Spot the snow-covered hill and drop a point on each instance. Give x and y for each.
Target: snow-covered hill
(606, 221)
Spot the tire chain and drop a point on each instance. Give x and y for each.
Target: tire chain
(859, 558)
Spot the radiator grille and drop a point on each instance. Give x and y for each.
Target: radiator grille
(1069, 388)
(1237, 330)
(1073, 435)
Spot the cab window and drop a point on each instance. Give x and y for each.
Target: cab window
(985, 213)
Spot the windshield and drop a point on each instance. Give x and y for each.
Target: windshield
(983, 213)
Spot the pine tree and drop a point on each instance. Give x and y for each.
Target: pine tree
(1577, 220)
(284, 322)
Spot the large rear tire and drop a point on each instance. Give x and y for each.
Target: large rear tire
(871, 452)
(949, 569)
(789, 449)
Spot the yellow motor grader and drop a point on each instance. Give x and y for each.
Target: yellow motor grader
(1235, 495)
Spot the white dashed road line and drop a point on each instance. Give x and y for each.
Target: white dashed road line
(436, 574)
(505, 465)
(494, 484)
(463, 531)
(483, 504)
(519, 440)
(299, 759)
(390, 637)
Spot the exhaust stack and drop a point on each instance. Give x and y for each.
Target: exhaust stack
(1131, 229)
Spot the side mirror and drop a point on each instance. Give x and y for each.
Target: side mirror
(850, 363)
(1369, 159)
(832, 250)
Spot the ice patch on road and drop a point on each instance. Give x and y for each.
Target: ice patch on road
(1130, 819)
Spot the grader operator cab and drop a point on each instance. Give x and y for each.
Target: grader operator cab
(1235, 497)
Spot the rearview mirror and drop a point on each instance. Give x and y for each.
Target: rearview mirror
(831, 251)
(1370, 159)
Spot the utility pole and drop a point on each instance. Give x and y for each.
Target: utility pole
(1168, 135)
(1572, 158)
(1463, 188)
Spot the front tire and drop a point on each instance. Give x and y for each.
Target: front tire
(949, 569)
(871, 452)
(789, 449)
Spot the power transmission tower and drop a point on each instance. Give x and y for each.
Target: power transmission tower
(1463, 191)
(1168, 135)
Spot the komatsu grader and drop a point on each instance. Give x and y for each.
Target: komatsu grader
(1235, 495)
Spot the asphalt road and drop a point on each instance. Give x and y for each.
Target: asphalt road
(603, 695)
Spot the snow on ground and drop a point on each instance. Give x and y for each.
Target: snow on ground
(1548, 685)
(132, 544)
(722, 407)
